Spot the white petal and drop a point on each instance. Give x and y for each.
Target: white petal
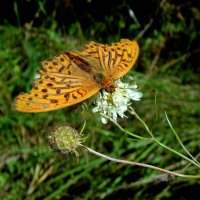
(117, 103)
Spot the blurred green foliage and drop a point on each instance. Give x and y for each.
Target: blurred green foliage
(168, 34)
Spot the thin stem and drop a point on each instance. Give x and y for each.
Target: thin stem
(122, 129)
(147, 26)
(83, 127)
(139, 164)
(176, 60)
(179, 140)
(189, 164)
(158, 142)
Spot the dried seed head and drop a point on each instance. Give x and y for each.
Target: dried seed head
(65, 139)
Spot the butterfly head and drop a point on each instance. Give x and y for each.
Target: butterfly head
(104, 82)
(111, 88)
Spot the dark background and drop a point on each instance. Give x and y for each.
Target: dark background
(168, 33)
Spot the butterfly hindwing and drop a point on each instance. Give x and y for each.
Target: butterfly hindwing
(51, 95)
(62, 83)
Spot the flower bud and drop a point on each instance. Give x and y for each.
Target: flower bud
(64, 139)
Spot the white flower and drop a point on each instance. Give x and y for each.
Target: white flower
(116, 103)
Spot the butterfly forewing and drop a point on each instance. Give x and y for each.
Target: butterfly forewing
(116, 59)
(63, 85)
(119, 58)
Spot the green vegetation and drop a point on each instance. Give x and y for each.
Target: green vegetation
(167, 67)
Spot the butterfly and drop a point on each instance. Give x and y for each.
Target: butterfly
(74, 76)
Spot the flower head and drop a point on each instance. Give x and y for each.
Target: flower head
(65, 139)
(116, 103)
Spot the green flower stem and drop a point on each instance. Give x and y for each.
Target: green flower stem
(139, 164)
(122, 129)
(158, 142)
(179, 140)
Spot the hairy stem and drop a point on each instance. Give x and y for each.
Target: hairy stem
(139, 164)
(158, 142)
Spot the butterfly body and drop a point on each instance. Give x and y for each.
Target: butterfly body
(74, 76)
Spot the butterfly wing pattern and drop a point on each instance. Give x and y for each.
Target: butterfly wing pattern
(116, 59)
(70, 77)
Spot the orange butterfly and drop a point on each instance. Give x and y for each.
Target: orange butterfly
(74, 76)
